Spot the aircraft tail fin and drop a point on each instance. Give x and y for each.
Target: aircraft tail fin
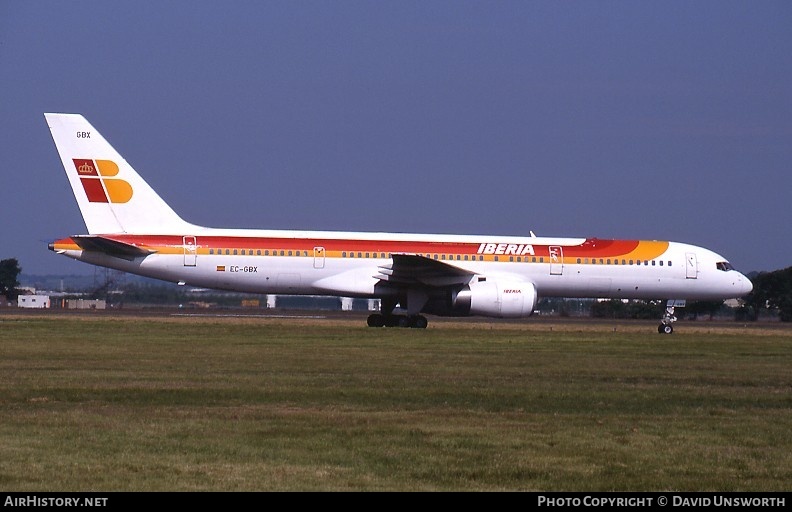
(112, 196)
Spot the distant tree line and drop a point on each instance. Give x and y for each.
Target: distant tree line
(634, 309)
(771, 295)
(772, 292)
(9, 278)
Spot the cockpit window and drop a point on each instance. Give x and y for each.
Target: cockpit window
(724, 265)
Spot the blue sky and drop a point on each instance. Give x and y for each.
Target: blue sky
(652, 120)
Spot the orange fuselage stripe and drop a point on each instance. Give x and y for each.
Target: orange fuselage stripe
(205, 245)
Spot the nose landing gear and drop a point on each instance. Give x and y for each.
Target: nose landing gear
(669, 318)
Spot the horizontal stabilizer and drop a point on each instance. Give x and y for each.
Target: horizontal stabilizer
(110, 247)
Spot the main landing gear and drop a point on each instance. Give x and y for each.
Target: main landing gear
(669, 318)
(414, 302)
(414, 321)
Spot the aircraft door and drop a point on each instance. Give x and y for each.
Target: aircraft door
(319, 257)
(691, 265)
(556, 260)
(190, 251)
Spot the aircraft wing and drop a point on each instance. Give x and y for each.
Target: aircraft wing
(110, 246)
(414, 269)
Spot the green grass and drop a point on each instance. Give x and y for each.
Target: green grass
(102, 403)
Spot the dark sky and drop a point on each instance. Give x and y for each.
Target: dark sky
(653, 120)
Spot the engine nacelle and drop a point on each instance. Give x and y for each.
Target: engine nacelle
(502, 299)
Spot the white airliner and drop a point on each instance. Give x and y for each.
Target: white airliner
(132, 229)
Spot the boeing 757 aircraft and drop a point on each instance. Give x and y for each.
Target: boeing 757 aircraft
(131, 228)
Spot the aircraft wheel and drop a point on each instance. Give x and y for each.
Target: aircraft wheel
(404, 321)
(665, 328)
(419, 322)
(391, 320)
(375, 320)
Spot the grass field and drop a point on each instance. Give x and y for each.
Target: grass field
(98, 403)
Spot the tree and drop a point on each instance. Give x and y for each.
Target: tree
(772, 290)
(703, 307)
(634, 309)
(9, 272)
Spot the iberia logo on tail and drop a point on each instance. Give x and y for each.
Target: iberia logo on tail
(97, 181)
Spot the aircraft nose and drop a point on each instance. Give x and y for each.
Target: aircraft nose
(743, 284)
(747, 285)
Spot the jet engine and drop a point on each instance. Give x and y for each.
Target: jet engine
(502, 299)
